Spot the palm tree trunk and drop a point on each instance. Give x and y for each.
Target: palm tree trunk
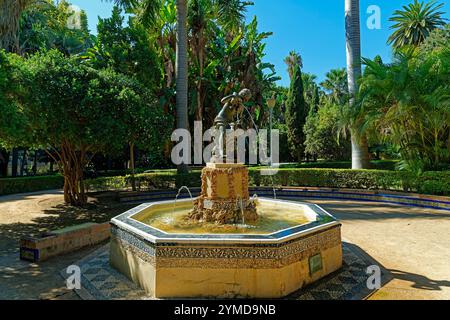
(181, 70)
(360, 150)
(360, 154)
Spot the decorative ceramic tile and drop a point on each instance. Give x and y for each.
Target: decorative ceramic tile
(348, 283)
(237, 256)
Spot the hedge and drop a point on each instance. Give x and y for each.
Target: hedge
(30, 184)
(374, 164)
(437, 182)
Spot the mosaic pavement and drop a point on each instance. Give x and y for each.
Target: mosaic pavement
(102, 282)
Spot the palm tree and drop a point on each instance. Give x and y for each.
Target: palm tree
(360, 152)
(147, 11)
(229, 12)
(407, 104)
(336, 86)
(312, 92)
(415, 22)
(293, 60)
(181, 71)
(201, 17)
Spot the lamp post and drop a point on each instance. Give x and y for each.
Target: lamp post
(271, 104)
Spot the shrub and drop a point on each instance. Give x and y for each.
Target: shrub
(437, 183)
(434, 182)
(30, 184)
(338, 178)
(145, 181)
(375, 164)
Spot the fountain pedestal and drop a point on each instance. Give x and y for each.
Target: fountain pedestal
(224, 197)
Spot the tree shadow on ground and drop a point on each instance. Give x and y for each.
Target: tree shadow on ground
(101, 208)
(357, 210)
(419, 281)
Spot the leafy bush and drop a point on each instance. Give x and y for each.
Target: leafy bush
(376, 164)
(428, 183)
(30, 184)
(145, 181)
(338, 178)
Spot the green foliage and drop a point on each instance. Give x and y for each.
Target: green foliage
(296, 112)
(13, 130)
(312, 92)
(336, 86)
(125, 49)
(375, 164)
(439, 39)
(76, 111)
(321, 135)
(30, 184)
(428, 183)
(407, 103)
(415, 22)
(146, 181)
(45, 26)
(100, 109)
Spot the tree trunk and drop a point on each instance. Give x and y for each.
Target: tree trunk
(72, 163)
(360, 156)
(181, 71)
(360, 150)
(199, 40)
(14, 160)
(35, 162)
(133, 181)
(23, 162)
(4, 160)
(10, 11)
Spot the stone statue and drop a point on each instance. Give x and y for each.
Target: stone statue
(229, 117)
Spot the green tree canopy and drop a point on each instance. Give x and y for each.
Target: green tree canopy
(407, 103)
(296, 112)
(77, 111)
(415, 22)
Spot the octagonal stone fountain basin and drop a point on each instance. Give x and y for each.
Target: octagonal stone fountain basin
(292, 245)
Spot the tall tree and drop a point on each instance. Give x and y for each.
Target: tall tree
(47, 25)
(147, 11)
(415, 22)
(181, 71)
(296, 112)
(360, 150)
(83, 112)
(336, 86)
(407, 104)
(293, 60)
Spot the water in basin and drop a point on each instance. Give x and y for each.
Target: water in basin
(273, 216)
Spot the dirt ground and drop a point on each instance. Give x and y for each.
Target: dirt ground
(33, 213)
(412, 243)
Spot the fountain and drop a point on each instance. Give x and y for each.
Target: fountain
(225, 244)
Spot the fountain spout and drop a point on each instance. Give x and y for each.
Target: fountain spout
(178, 194)
(241, 206)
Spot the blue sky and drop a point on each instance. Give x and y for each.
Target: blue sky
(313, 28)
